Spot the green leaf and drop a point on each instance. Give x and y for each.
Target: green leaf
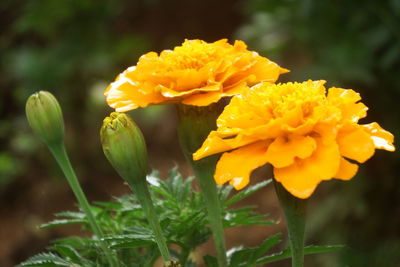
(71, 254)
(76, 242)
(285, 254)
(224, 192)
(130, 241)
(71, 215)
(210, 261)
(45, 260)
(248, 256)
(244, 216)
(247, 192)
(56, 223)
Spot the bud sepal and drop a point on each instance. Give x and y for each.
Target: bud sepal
(45, 117)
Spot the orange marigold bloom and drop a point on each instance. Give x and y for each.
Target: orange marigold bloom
(306, 135)
(196, 73)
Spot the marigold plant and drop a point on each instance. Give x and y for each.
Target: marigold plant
(197, 73)
(308, 136)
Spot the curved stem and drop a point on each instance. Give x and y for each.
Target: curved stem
(295, 214)
(61, 156)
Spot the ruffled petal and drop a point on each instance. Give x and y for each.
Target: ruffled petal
(382, 139)
(239, 115)
(347, 170)
(237, 165)
(216, 143)
(356, 144)
(302, 177)
(167, 92)
(124, 95)
(347, 100)
(267, 71)
(283, 151)
(202, 99)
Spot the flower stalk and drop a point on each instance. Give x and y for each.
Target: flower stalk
(44, 115)
(125, 148)
(195, 123)
(63, 161)
(294, 210)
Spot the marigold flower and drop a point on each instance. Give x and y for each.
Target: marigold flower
(196, 73)
(306, 135)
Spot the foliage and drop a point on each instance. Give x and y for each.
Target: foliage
(182, 217)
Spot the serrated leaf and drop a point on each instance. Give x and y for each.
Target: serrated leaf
(130, 241)
(247, 192)
(71, 214)
(248, 256)
(224, 192)
(285, 254)
(268, 244)
(76, 242)
(70, 253)
(244, 216)
(45, 260)
(61, 222)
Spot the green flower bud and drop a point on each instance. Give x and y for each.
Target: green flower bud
(45, 117)
(125, 148)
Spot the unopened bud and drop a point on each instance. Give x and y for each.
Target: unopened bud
(125, 148)
(45, 117)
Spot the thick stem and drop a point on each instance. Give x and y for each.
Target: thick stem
(295, 214)
(204, 172)
(142, 192)
(61, 156)
(195, 123)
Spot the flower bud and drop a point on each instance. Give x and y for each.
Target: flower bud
(45, 117)
(125, 148)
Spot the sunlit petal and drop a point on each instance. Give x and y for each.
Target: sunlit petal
(237, 165)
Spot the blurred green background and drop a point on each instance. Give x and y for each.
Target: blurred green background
(75, 48)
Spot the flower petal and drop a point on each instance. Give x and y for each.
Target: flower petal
(302, 177)
(202, 99)
(283, 151)
(216, 143)
(347, 170)
(124, 95)
(237, 165)
(356, 144)
(347, 100)
(167, 92)
(382, 139)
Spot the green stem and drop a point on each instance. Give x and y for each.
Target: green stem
(61, 156)
(142, 192)
(295, 214)
(195, 123)
(204, 172)
(184, 256)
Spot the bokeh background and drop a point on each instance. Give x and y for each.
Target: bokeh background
(75, 48)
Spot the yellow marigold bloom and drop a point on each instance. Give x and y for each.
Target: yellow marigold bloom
(308, 136)
(196, 73)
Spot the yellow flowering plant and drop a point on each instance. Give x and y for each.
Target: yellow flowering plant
(195, 76)
(307, 133)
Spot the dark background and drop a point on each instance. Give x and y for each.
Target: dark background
(75, 48)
